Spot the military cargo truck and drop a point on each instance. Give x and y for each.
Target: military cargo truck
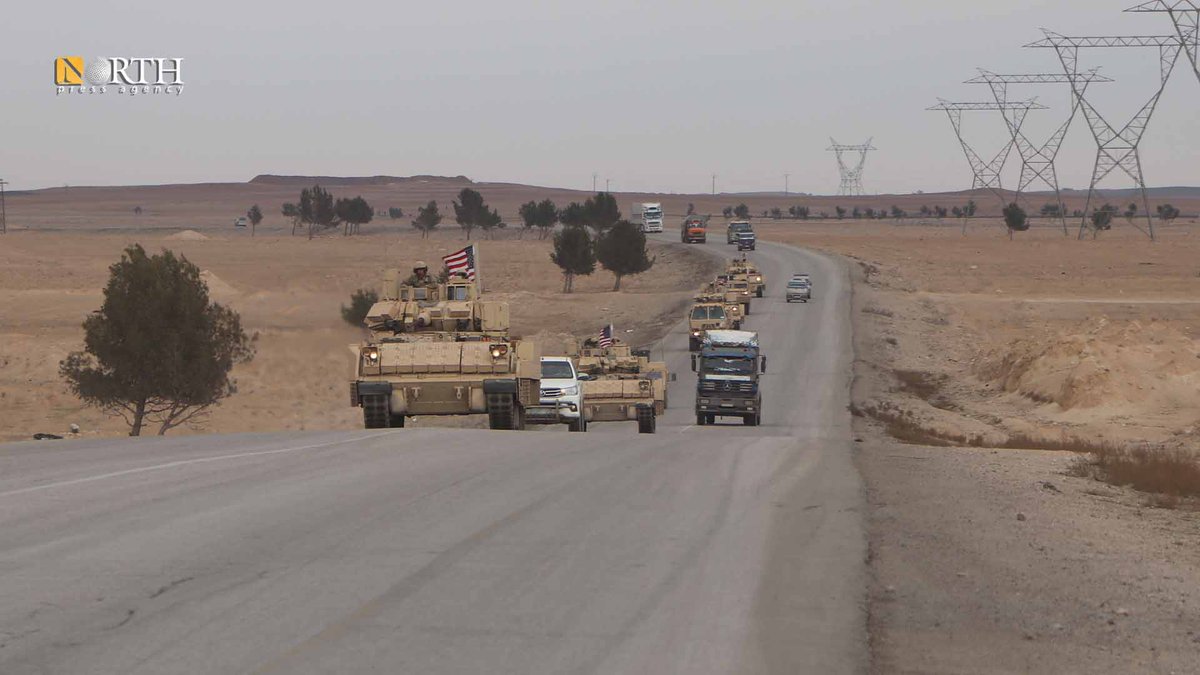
(440, 349)
(727, 384)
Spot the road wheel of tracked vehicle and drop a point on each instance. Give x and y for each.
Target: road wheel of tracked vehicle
(501, 411)
(375, 411)
(759, 293)
(746, 309)
(397, 422)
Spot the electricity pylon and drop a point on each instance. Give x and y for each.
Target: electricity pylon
(852, 185)
(1185, 14)
(986, 173)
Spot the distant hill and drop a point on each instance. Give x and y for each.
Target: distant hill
(271, 179)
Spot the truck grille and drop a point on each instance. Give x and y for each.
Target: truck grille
(552, 393)
(726, 386)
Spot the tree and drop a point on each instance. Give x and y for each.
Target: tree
(157, 350)
(1130, 213)
(468, 209)
(1051, 210)
(741, 211)
(801, 212)
(899, 213)
(395, 213)
(1102, 219)
(925, 211)
(856, 213)
(574, 254)
(870, 213)
(957, 211)
(840, 211)
(573, 215)
(727, 212)
(292, 212)
(940, 212)
(601, 212)
(489, 220)
(776, 213)
(353, 213)
(1167, 213)
(542, 215)
(1016, 219)
(427, 218)
(361, 302)
(137, 210)
(622, 251)
(970, 209)
(317, 209)
(255, 215)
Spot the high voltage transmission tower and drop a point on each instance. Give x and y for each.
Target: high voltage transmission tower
(1185, 14)
(852, 185)
(987, 172)
(1037, 160)
(1116, 148)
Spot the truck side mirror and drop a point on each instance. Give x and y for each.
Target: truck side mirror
(764, 364)
(693, 363)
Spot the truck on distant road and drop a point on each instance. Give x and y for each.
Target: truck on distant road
(728, 370)
(735, 228)
(648, 216)
(694, 231)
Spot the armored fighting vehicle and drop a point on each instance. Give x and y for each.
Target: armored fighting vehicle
(736, 291)
(621, 384)
(439, 349)
(743, 269)
(711, 312)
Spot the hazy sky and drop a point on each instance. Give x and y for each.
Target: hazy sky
(653, 95)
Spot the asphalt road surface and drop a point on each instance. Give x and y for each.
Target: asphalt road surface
(723, 549)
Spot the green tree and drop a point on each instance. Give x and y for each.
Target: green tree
(1102, 219)
(428, 217)
(1167, 213)
(1051, 210)
(255, 215)
(353, 213)
(622, 251)
(1016, 219)
(840, 211)
(601, 212)
(776, 213)
(489, 221)
(158, 349)
(395, 213)
(1130, 213)
(317, 209)
(470, 211)
(292, 212)
(542, 215)
(741, 211)
(727, 212)
(361, 302)
(574, 254)
(970, 209)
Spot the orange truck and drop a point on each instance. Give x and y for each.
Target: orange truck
(695, 230)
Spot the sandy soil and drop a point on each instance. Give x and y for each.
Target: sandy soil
(288, 290)
(1044, 336)
(996, 561)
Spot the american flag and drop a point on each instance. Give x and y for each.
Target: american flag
(606, 336)
(462, 262)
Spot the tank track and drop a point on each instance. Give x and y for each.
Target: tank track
(375, 412)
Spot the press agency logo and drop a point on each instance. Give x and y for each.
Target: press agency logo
(132, 76)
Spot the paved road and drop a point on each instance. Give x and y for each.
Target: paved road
(697, 550)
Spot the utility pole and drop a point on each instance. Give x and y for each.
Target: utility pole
(786, 176)
(714, 189)
(594, 177)
(3, 214)
(606, 183)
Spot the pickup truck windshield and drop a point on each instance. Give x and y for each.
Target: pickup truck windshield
(725, 366)
(556, 370)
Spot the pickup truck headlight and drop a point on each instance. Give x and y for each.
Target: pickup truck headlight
(573, 390)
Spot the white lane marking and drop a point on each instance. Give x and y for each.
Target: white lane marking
(680, 431)
(184, 462)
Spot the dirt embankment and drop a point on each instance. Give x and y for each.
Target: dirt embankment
(289, 291)
(1004, 560)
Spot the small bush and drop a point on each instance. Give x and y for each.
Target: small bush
(360, 303)
(1172, 473)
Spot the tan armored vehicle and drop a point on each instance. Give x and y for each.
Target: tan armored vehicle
(439, 349)
(709, 314)
(621, 384)
(741, 269)
(736, 291)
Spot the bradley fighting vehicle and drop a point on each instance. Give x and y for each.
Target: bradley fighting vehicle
(442, 350)
(741, 269)
(621, 384)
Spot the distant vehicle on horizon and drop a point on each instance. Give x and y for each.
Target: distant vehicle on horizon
(241, 222)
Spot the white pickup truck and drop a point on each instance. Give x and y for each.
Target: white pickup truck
(561, 396)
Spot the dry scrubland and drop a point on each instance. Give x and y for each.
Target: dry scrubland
(288, 290)
(1007, 559)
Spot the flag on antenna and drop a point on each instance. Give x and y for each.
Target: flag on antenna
(462, 262)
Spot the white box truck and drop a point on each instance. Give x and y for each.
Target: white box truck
(648, 216)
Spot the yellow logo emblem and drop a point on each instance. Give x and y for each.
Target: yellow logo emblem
(68, 71)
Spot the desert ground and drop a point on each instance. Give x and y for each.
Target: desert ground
(289, 291)
(974, 353)
(987, 559)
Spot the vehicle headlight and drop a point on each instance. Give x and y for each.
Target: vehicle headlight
(371, 355)
(571, 391)
(745, 292)
(499, 350)
(758, 279)
(695, 333)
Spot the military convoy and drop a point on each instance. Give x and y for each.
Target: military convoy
(621, 384)
(440, 349)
